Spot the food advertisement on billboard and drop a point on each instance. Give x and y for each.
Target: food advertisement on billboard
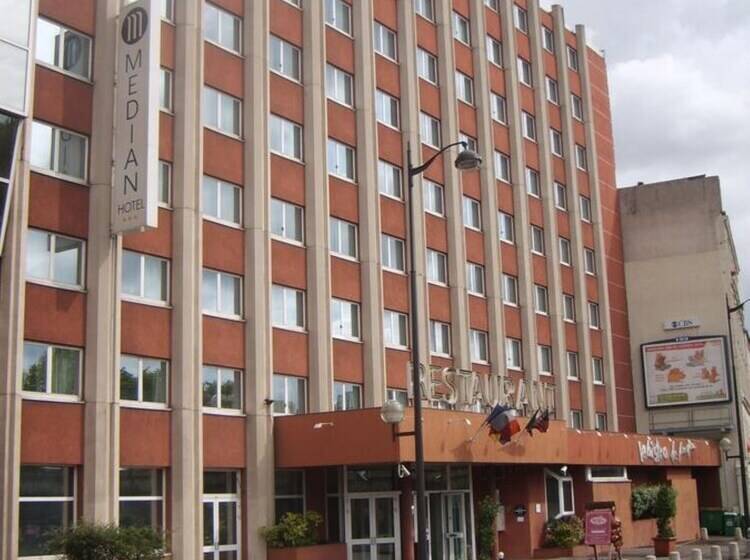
(689, 372)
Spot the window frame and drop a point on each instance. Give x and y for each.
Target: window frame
(495, 48)
(591, 477)
(285, 47)
(569, 317)
(389, 244)
(461, 28)
(541, 300)
(140, 403)
(436, 258)
(384, 169)
(166, 175)
(560, 188)
(221, 410)
(49, 348)
(528, 122)
(513, 349)
(56, 131)
(548, 39)
(510, 280)
(146, 498)
(595, 319)
(433, 187)
(520, 19)
(566, 255)
(237, 102)
(597, 370)
(589, 261)
(62, 31)
(419, 9)
(350, 226)
(217, 43)
(49, 280)
(427, 64)
(382, 36)
(501, 162)
(576, 417)
(220, 186)
(341, 149)
(470, 207)
(597, 417)
(333, 73)
(498, 101)
(333, 20)
(474, 275)
(391, 319)
(297, 133)
(434, 125)
(557, 147)
(508, 219)
(479, 352)
(572, 359)
(356, 325)
(286, 292)
(585, 208)
(219, 274)
(167, 105)
(572, 58)
(286, 379)
(576, 107)
(141, 298)
(552, 90)
(534, 231)
(464, 88)
(445, 337)
(525, 71)
(533, 183)
(385, 104)
(347, 385)
(581, 158)
(284, 205)
(561, 484)
(542, 350)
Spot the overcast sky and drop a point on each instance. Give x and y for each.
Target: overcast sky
(679, 79)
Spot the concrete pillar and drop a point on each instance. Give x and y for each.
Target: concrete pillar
(650, 557)
(696, 554)
(715, 552)
(738, 534)
(674, 555)
(734, 551)
(187, 258)
(704, 534)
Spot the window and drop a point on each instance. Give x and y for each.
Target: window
(222, 389)
(288, 395)
(434, 201)
(143, 380)
(541, 299)
(54, 258)
(510, 290)
(395, 326)
(464, 88)
(565, 252)
(47, 503)
(346, 396)
(287, 221)
(537, 240)
(494, 51)
(461, 30)
(343, 238)
(576, 419)
(561, 196)
(553, 93)
(142, 498)
(285, 137)
(222, 28)
(533, 186)
(524, 72)
(425, 9)
(556, 142)
(559, 490)
(341, 160)
(221, 201)
(505, 223)
(581, 158)
(597, 366)
(544, 356)
(569, 308)
(529, 126)
(339, 86)
(392, 253)
(479, 346)
(576, 105)
(475, 279)
(384, 41)
(429, 128)
(472, 213)
(600, 420)
(520, 18)
(51, 370)
(548, 39)
(63, 48)
(289, 492)
(60, 151)
(167, 10)
(585, 208)
(572, 358)
(145, 277)
(287, 307)
(607, 474)
(389, 179)
(165, 89)
(513, 356)
(386, 109)
(499, 108)
(502, 167)
(165, 183)
(572, 58)
(344, 319)
(492, 4)
(440, 338)
(427, 66)
(339, 15)
(222, 112)
(221, 293)
(594, 319)
(437, 267)
(399, 395)
(589, 261)
(284, 58)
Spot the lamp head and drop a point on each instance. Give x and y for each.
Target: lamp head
(467, 159)
(725, 444)
(392, 412)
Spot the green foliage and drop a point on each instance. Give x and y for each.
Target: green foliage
(108, 542)
(643, 500)
(294, 529)
(565, 532)
(665, 509)
(487, 534)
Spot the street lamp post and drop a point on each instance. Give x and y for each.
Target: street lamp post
(738, 414)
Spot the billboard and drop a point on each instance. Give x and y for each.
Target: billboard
(136, 166)
(693, 371)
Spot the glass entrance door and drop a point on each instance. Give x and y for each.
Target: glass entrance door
(221, 529)
(455, 526)
(372, 527)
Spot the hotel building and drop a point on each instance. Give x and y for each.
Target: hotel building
(209, 374)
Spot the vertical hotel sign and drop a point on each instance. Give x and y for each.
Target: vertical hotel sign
(134, 197)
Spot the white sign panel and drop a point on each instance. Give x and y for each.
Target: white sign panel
(681, 324)
(689, 372)
(134, 196)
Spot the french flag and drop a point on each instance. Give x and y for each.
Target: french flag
(503, 421)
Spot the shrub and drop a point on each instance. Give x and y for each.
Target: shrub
(487, 534)
(107, 542)
(643, 500)
(665, 509)
(294, 529)
(565, 532)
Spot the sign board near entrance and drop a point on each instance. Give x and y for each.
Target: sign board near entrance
(598, 527)
(136, 171)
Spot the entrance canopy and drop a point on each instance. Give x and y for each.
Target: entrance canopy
(358, 437)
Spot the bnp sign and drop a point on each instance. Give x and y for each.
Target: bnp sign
(136, 173)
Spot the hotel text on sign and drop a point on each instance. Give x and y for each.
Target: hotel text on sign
(136, 171)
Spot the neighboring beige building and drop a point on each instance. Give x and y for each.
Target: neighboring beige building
(681, 268)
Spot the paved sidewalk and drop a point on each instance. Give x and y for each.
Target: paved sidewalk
(685, 550)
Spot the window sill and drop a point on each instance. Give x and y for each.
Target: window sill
(576, 379)
(54, 68)
(394, 271)
(393, 127)
(391, 196)
(347, 339)
(386, 57)
(44, 397)
(537, 253)
(49, 284)
(509, 304)
(287, 156)
(231, 135)
(287, 241)
(225, 49)
(344, 178)
(472, 228)
(438, 284)
(344, 257)
(599, 383)
(221, 222)
(546, 374)
(337, 30)
(439, 355)
(145, 406)
(481, 362)
(436, 214)
(234, 318)
(284, 76)
(511, 243)
(232, 413)
(298, 330)
(143, 301)
(476, 295)
(61, 176)
(394, 347)
(514, 368)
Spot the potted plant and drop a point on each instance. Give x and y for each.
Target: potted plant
(665, 508)
(564, 533)
(295, 537)
(107, 542)
(487, 533)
